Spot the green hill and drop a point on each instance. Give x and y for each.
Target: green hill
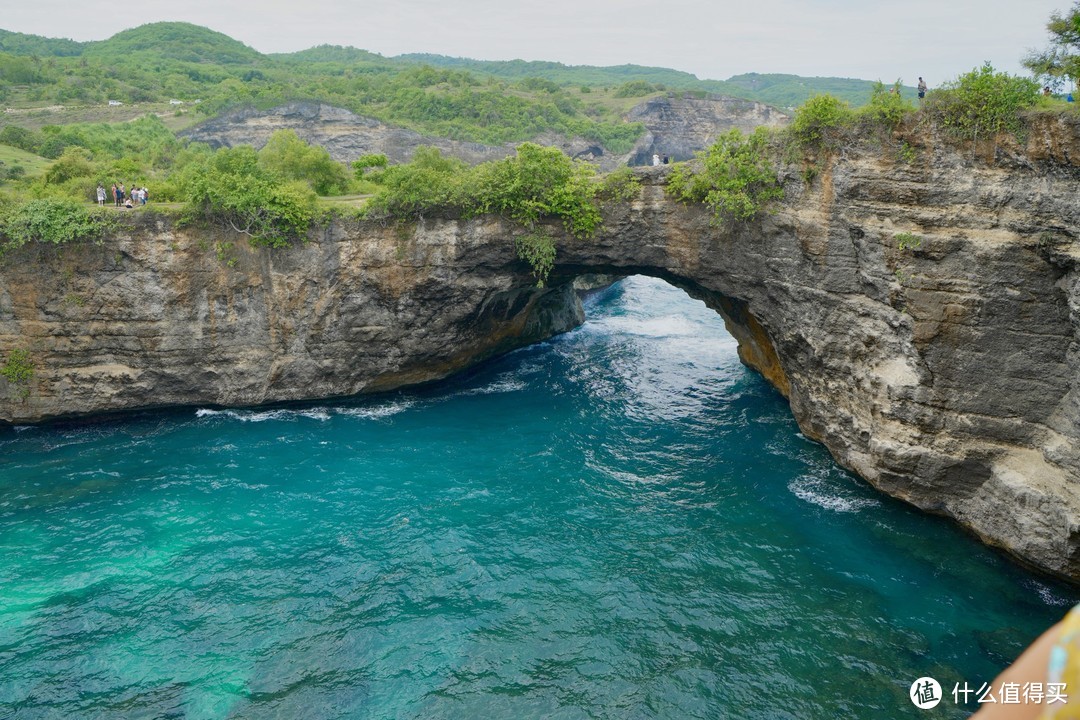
(773, 89)
(174, 41)
(36, 45)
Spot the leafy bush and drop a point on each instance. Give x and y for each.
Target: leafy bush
(19, 371)
(907, 241)
(634, 88)
(428, 185)
(293, 159)
(369, 161)
(887, 106)
(620, 185)
(737, 180)
(52, 220)
(75, 162)
(817, 124)
(537, 249)
(536, 183)
(982, 103)
(231, 189)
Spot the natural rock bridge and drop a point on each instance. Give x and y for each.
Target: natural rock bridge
(945, 372)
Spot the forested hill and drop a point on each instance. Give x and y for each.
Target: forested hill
(783, 91)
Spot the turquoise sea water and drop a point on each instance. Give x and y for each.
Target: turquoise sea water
(621, 523)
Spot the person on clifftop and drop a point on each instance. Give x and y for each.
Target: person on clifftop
(922, 88)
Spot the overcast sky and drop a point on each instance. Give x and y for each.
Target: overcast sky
(938, 39)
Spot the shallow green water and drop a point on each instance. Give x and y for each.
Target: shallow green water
(621, 523)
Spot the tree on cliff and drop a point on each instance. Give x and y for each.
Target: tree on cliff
(1062, 58)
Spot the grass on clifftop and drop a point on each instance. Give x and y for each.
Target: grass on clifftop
(12, 157)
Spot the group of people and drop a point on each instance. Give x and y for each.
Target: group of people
(1048, 93)
(123, 197)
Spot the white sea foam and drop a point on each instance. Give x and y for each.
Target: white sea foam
(823, 493)
(1048, 596)
(265, 415)
(377, 412)
(509, 384)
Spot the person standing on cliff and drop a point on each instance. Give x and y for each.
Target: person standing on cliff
(922, 88)
(101, 195)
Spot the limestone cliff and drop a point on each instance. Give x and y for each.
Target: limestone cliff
(675, 127)
(680, 127)
(943, 365)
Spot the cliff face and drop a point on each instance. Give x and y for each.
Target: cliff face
(943, 366)
(675, 127)
(680, 127)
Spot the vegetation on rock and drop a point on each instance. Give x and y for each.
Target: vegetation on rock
(735, 177)
(18, 370)
(982, 103)
(51, 220)
(234, 190)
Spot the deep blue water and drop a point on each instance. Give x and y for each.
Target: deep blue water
(620, 523)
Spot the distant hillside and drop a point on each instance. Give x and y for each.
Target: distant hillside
(23, 44)
(784, 91)
(591, 75)
(794, 90)
(344, 55)
(175, 41)
(489, 102)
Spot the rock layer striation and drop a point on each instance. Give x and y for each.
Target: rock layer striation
(918, 304)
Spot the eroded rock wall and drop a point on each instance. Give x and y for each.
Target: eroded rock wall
(160, 316)
(917, 302)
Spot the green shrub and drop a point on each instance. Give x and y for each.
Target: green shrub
(369, 161)
(537, 182)
(907, 241)
(887, 106)
(634, 88)
(819, 122)
(537, 249)
(286, 155)
(232, 190)
(982, 103)
(52, 220)
(19, 371)
(428, 185)
(74, 162)
(737, 179)
(620, 185)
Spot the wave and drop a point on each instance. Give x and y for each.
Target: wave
(1048, 596)
(377, 412)
(823, 493)
(510, 384)
(322, 414)
(256, 416)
